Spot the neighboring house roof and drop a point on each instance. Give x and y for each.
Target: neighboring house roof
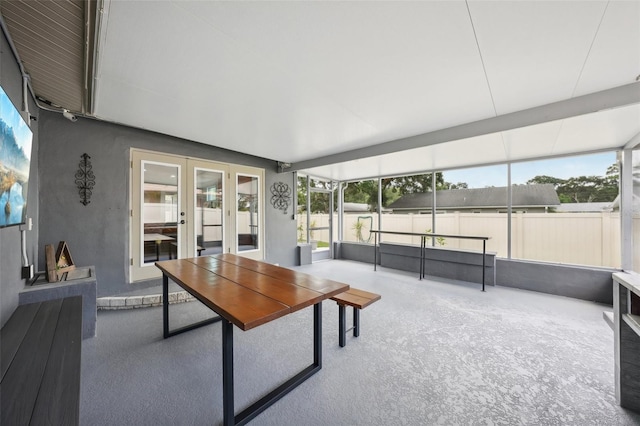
(584, 207)
(522, 196)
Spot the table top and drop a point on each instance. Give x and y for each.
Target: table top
(247, 292)
(157, 237)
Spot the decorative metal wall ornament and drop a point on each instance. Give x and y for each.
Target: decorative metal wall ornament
(280, 196)
(85, 179)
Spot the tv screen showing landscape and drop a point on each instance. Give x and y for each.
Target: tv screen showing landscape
(15, 161)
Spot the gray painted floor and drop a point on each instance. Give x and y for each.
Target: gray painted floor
(430, 352)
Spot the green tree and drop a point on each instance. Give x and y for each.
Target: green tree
(319, 201)
(543, 179)
(366, 191)
(459, 185)
(392, 189)
(583, 189)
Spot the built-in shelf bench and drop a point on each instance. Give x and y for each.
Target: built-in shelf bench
(41, 349)
(81, 281)
(626, 320)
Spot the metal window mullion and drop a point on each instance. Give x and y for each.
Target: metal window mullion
(626, 210)
(380, 205)
(509, 210)
(308, 208)
(433, 207)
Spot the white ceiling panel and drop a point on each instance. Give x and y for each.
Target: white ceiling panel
(609, 129)
(299, 81)
(313, 78)
(215, 90)
(527, 142)
(614, 58)
(487, 149)
(382, 61)
(606, 129)
(534, 51)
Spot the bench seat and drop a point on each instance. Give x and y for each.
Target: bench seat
(40, 363)
(357, 299)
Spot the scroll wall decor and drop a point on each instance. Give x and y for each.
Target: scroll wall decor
(85, 179)
(280, 196)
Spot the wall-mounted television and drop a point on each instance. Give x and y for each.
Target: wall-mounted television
(15, 162)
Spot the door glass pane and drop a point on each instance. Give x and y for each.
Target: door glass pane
(208, 211)
(319, 222)
(159, 211)
(248, 213)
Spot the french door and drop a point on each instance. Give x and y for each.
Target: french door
(184, 207)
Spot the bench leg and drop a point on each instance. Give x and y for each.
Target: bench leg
(356, 322)
(342, 326)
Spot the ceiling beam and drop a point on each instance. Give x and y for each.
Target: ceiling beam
(633, 142)
(616, 97)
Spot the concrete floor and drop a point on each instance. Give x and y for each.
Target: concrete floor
(431, 352)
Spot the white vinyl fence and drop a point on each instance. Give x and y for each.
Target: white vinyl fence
(572, 238)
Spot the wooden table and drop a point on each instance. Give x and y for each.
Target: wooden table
(248, 293)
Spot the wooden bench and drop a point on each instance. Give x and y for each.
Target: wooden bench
(40, 363)
(358, 299)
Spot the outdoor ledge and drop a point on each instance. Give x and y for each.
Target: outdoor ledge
(133, 302)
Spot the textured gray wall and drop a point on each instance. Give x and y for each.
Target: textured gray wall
(355, 251)
(594, 284)
(98, 234)
(10, 244)
(440, 262)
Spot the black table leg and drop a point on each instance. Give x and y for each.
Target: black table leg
(228, 410)
(165, 306)
(342, 326)
(165, 314)
(272, 397)
(356, 322)
(317, 337)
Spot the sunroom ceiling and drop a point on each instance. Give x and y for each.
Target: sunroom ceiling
(605, 130)
(325, 85)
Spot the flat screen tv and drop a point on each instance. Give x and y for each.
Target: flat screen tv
(15, 162)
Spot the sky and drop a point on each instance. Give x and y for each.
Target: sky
(563, 168)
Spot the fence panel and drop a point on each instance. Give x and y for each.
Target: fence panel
(492, 225)
(574, 238)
